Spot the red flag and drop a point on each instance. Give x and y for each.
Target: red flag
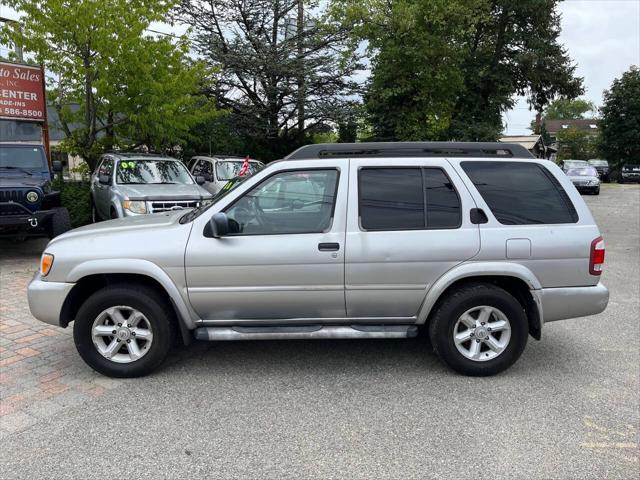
(245, 167)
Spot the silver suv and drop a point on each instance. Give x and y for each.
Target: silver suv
(479, 245)
(128, 184)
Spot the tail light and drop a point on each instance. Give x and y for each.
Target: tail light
(596, 258)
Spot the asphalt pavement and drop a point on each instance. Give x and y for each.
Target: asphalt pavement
(569, 408)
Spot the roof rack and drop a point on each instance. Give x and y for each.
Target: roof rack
(410, 149)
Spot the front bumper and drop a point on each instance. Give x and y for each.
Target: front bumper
(587, 188)
(631, 177)
(46, 299)
(21, 218)
(572, 302)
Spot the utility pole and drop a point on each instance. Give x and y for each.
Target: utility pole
(300, 42)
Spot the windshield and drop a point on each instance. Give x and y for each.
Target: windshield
(228, 187)
(599, 163)
(583, 172)
(29, 157)
(152, 171)
(228, 169)
(629, 168)
(575, 163)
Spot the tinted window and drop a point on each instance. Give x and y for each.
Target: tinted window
(521, 193)
(288, 202)
(391, 198)
(395, 198)
(443, 204)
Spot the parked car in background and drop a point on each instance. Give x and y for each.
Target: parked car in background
(218, 170)
(478, 244)
(129, 184)
(585, 179)
(602, 167)
(567, 164)
(629, 173)
(28, 203)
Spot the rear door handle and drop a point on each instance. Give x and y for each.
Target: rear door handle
(328, 247)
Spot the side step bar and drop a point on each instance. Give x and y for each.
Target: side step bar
(291, 332)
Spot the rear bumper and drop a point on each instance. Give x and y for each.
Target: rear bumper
(46, 299)
(572, 302)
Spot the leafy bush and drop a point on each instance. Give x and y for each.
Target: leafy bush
(75, 197)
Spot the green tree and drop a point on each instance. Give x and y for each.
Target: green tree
(448, 70)
(111, 84)
(282, 69)
(620, 123)
(576, 144)
(568, 109)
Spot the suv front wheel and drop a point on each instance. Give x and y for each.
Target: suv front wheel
(479, 330)
(124, 330)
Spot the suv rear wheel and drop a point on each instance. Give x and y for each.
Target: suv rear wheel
(124, 330)
(479, 330)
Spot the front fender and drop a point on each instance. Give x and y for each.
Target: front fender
(139, 267)
(476, 269)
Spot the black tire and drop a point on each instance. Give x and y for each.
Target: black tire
(597, 191)
(113, 213)
(59, 222)
(447, 312)
(155, 308)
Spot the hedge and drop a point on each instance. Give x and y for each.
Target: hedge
(75, 197)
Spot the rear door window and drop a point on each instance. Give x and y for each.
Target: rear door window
(407, 198)
(521, 193)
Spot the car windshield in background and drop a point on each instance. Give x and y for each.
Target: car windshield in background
(226, 170)
(631, 168)
(228, 187)
(598, 163)
(22, 157)
(152, 171)
(582, 172)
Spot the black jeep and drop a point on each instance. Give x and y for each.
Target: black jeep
(28, 205)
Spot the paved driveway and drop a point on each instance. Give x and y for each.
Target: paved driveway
(569, 408)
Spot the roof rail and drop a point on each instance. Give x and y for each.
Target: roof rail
(124, 153)
(410, 149)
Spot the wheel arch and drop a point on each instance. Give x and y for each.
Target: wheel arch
(91, 276)
(515, 279)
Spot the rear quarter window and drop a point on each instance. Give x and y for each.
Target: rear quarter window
(521, 193)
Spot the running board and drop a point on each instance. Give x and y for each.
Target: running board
(293, 332)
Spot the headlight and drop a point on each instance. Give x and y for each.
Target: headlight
(135, 206)
(32, 197)
(45, 264)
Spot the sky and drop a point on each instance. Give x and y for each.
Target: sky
(601, 36)
(603, 39)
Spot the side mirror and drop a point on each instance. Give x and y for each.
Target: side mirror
(104, 179)
(57, 166)
(200, 180)
(219, 225)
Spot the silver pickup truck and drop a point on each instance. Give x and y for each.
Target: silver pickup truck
(477, 244)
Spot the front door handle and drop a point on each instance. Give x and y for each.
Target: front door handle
(328, 247)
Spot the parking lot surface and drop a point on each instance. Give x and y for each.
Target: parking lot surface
(569, 408)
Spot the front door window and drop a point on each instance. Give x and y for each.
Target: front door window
(288, 202)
